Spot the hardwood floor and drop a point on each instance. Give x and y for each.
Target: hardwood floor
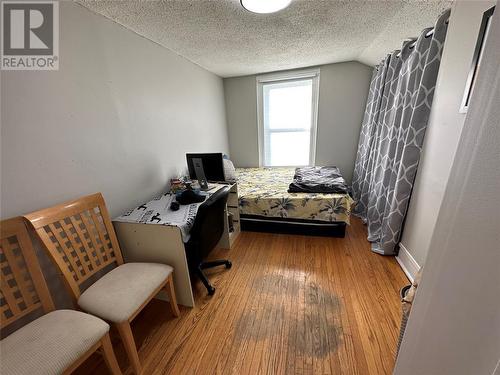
(289, 305)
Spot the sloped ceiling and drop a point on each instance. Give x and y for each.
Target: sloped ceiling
(224, 38)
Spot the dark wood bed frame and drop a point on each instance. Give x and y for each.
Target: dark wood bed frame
(254, 223)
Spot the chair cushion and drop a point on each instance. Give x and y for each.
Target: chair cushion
(118, 294)
(51, 343)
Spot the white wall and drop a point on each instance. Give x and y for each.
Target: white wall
(241, 114)
(118, 117)
(454, 326)
(443, 132)
(342, 98)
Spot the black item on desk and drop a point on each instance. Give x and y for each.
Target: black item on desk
(213, 166)
(174, 206)
(207, 230)
(189, 196)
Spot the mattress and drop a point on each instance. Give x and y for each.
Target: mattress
(263, 192)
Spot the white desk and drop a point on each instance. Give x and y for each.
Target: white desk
(147, 242)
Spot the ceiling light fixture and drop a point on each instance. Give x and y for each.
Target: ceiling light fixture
(265, 6)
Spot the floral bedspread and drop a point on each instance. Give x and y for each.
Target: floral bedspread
(263, 192)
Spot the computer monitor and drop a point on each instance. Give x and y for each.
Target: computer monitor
(213, 166)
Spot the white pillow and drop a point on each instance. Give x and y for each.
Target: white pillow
(229, 171)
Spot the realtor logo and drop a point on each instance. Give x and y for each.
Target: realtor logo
(30, 35)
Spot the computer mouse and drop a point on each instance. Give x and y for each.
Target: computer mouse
(174, 206)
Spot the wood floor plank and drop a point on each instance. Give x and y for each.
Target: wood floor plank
(217, 354)
(289, 305)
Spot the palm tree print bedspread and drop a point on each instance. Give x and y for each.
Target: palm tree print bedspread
(263, 192)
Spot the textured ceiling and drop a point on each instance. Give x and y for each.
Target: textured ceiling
(222, 37)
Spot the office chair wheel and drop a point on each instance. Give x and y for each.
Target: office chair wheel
(229, 264)
(211, 290)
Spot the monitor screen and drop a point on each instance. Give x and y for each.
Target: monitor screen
(213, 166)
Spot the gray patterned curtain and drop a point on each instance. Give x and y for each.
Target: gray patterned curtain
(392, 134)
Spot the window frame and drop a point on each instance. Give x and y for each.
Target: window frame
(297, 75)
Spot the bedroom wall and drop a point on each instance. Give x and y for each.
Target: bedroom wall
(454, 325)
(118, 117)
(342, 98)
(443, 133)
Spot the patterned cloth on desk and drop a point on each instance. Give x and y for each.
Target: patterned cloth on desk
(157, 211)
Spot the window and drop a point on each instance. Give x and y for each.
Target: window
(287, 106)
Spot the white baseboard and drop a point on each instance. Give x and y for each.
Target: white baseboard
(407, 262)
(496, 371)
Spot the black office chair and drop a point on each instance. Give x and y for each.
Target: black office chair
(205, 234)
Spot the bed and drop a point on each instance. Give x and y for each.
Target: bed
(265, 205)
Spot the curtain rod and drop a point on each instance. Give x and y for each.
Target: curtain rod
(428, 34)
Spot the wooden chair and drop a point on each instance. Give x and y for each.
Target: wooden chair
(80, 238)
(57, 342)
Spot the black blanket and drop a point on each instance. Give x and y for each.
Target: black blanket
(318, 180)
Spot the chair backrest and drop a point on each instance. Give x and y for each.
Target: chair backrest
(79, 237)
(209, 223)
(22, 286)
